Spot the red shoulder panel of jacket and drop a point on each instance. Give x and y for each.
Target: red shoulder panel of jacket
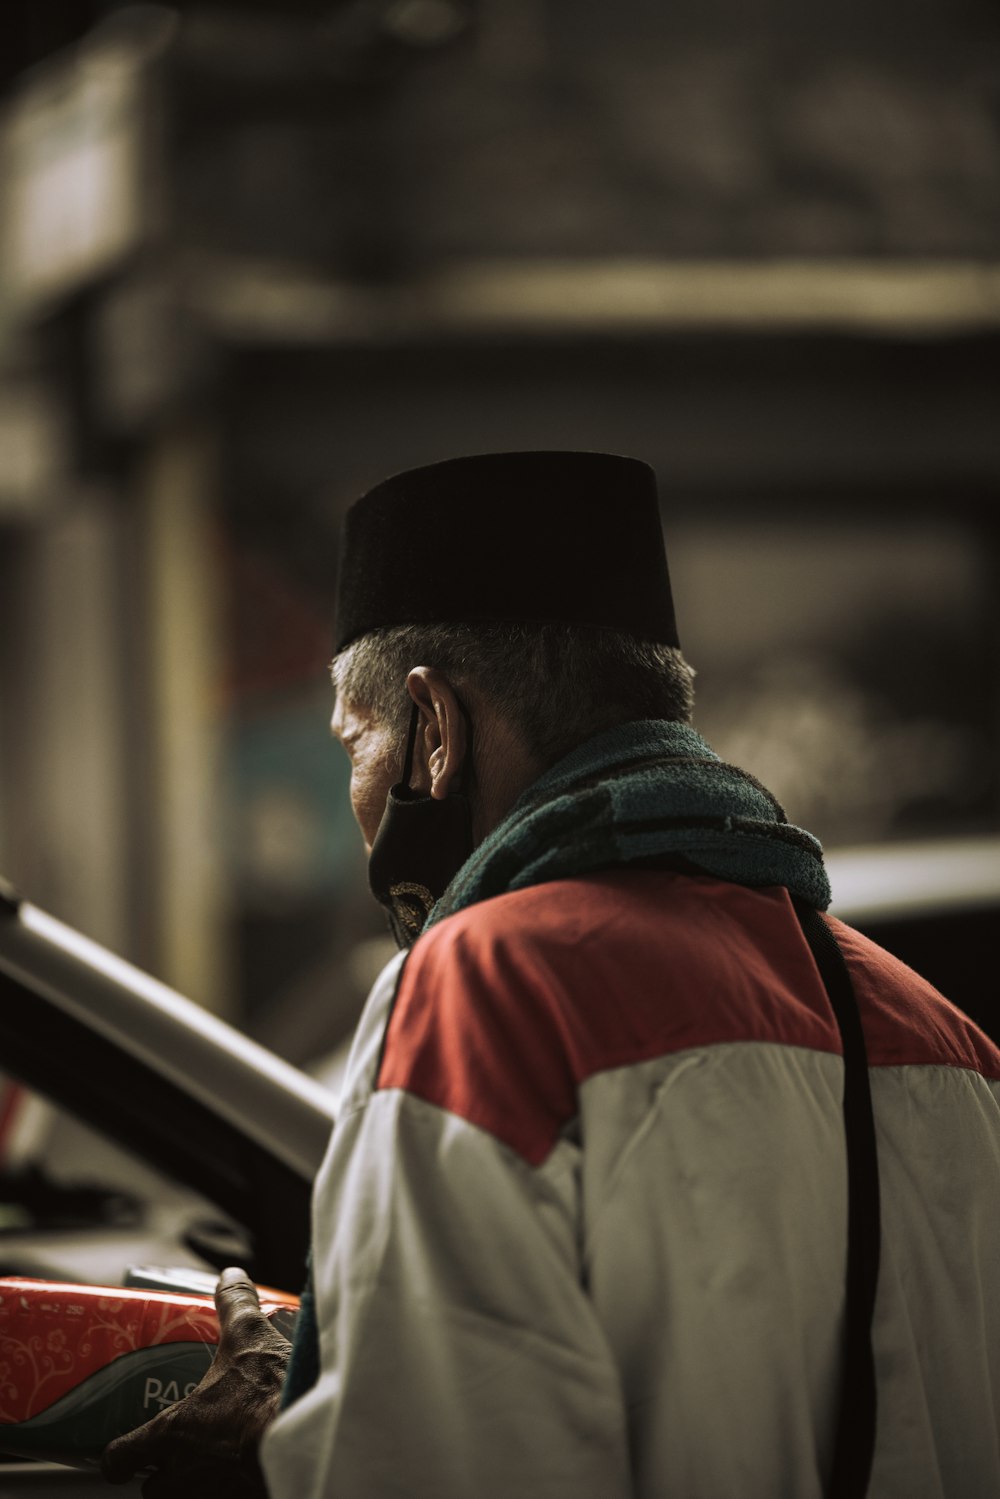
(907, 1022)
(507, 1007)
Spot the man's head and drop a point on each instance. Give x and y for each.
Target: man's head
(493, 613)
(497, 704)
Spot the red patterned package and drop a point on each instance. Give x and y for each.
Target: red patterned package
(80, 1365)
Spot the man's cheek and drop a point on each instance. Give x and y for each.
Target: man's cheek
(368, 804)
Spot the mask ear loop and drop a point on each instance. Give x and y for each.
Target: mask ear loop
(411, 745)
(464, 779)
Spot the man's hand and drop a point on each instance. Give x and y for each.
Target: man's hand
(205, 1446)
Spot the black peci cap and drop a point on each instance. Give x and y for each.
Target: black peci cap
(571, 538)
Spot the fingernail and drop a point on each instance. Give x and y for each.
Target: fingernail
(232, 1274)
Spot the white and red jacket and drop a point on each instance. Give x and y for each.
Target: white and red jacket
(581, 1230)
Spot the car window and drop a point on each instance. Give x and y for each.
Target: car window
(77, 1204)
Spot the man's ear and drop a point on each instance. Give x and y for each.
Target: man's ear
(442, 737)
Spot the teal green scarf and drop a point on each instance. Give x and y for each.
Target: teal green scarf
(639, 793)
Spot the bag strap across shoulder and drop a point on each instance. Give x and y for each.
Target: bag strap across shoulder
(854, 1445)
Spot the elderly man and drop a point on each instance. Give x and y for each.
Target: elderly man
(604, 1214)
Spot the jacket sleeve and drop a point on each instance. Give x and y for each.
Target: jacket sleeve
(460, 1357)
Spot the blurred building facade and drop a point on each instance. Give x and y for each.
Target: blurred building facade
(256, 257)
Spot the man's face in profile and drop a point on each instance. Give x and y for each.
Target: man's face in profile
(373, 751)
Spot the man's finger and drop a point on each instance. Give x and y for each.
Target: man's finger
(234, 1275)
(235, 1297)
(142, 1448)
(235, 1289)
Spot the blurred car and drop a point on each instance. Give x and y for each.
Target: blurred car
(199, 1146)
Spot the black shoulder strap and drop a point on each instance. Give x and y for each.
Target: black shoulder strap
(854, 1445)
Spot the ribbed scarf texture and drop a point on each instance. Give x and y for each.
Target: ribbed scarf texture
(638, 793)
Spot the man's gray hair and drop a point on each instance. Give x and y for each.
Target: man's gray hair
(560, 684)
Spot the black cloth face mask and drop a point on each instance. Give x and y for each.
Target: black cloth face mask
(421, 844)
